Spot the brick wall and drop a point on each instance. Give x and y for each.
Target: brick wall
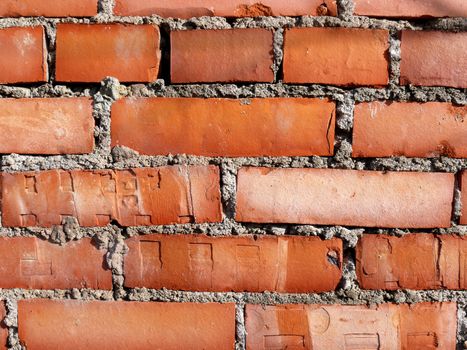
(233, 174)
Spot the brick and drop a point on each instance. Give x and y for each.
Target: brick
(415, 261)
(23, 55)
(463, 184)
(89, 53)
(60, 8)
(410, 8)
(229, 55)
(226, 8)
(387, 326)
(46, 126)
(134, 197)
(384, 129)
(201, 263)
(116, 325)
(433, 58)
(225, 127)
(3, 328)
(32, 263)
(336, 56)
(344, 197)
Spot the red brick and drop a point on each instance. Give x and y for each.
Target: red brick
(344, 197)
(225, 127)
(60, 8)
(225, 8)
(23, 57)
(46, 125)
(89, 53)
(463, 182)
(411, 8)
(99, 325)
(336, 56)
(32, 263)
(134, 197)
(231, 55)
(3, 329)
(415, 261)
(409, 129)
(434, 58)
(201, 263)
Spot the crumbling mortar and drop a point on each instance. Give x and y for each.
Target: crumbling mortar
(240, 328)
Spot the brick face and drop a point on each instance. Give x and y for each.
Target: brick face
(3, 329)
(336, 56)
(201, 263)
(23, 57)
(409, 129)
(151, 196)
(434, 58)
(225, 127)
(463, 183)
(60, 8)
(89, 53)
(231, 55)
(125, 325)
(344, 197)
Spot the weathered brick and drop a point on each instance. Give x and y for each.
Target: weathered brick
(145, 196)
(23, 55)
(46, 125)
(225, 8)
(433, 58)
(336, 56)
(230, 55)
(409, 129)
(225, 127)
(90, 52)
(415, 261)
(411, 8)
(32, 263)
(344, 197)
(387, 326)
(463, 183)
(201, 263)
(97, 325)
(3, 329)
(59, 8)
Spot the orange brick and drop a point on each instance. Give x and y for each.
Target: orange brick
(23, 57)
(434, 58)
(416, 261)
(225, 127)
(201, 263)
(89, 53)
(463, 182)
(411, 8)
(344, 197)
(409, 129)
(231, 55)
(36, 264)
(59, 8)
(134, 197)
(46, 125)
(224, 8)
(336, 56)
(98, 325)
(3, 329)
(387, 326)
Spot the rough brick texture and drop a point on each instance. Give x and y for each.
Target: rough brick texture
(150, 196)
(416, 261)
(387, 326)
(463, 183)
(224, 8)
(233, 55)
(46, 125)
(59, 8)
(23, 57)
(125, 325)
(344, 197)
(336, 56)
(89, 53)
(434, 58)
(36, 264)
(3, 328)
(430, 129)
(200, 263)
(225, 127)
